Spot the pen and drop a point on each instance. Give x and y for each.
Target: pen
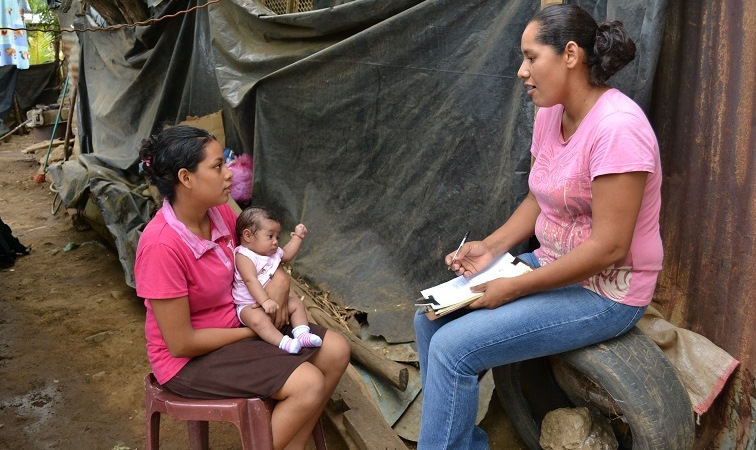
(454, 258)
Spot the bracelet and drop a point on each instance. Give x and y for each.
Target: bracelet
(297, 235)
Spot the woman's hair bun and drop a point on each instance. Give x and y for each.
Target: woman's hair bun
(146, 157)
(607, 46)
(164, 154)
(613, 49)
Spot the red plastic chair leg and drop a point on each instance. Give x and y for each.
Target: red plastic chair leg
(318, 435)
(199, 436)
(153, 430)
(255, 427)
(251, 417)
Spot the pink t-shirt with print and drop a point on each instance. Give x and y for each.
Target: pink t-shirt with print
(615, 137)
(173, 262)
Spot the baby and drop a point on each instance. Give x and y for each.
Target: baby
(256, 259)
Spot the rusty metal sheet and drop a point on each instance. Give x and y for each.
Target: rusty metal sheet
(704, 112)
(709, 196)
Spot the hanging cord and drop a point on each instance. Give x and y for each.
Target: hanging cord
(118, 27)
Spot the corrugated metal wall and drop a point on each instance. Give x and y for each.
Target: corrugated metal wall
(704, 112)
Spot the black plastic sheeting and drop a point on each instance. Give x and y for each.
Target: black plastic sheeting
(40, 84)
(388, 128)
(8, 77)
(37, 85)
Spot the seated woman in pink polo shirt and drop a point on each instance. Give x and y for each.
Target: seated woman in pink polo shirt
(184, 270)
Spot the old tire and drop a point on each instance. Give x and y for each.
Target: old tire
(631, 369)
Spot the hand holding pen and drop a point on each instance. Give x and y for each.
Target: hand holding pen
(454, 258)
(470, 257)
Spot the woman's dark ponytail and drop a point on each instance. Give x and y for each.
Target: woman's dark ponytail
(608, 46)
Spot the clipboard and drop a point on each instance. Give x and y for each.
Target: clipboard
(455, 294)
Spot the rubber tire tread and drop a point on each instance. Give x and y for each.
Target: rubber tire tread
(632, 369)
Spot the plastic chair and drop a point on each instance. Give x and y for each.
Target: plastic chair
(250, 415)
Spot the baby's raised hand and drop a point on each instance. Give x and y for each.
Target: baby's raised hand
(270, 306)
(300, 231)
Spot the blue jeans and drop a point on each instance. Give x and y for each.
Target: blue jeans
(454, 349)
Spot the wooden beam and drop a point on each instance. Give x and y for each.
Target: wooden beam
(40, 145)
(355, 414)
(120, 11)
(395, 373)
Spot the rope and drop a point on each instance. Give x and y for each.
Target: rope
(118, 27)
(56, 199)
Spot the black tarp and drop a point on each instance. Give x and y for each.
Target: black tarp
(40, 84)
(8, 77)
(389, 128)
(37, 85)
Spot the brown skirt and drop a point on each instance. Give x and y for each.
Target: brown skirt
(247, 368)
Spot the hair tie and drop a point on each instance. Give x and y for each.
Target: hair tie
(146, 162)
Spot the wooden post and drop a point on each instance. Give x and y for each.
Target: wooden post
(121, 12)
(17, 112)
(69, 123)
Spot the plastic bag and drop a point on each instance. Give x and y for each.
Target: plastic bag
(241, 183)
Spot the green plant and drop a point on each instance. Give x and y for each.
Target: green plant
(42, 43)
(41, 49)
(47, 19)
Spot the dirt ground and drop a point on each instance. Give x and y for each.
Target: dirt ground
(72, 350)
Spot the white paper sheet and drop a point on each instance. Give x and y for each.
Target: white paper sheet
(458, 289)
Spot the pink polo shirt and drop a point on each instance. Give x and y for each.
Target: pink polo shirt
(615, 137)
(173, 262)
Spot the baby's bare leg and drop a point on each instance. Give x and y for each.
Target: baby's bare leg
(297, 314)
(261, 323)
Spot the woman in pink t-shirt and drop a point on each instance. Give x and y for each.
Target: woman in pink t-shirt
(594, 201)
(184, 270)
